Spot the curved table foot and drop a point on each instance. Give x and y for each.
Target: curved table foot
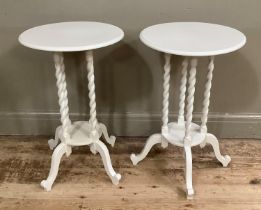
(152, 140)
(54, 142)
(203, 144)
(190, 190)
(109, 139)
(211, 139)
(93, 149)
(103, 151)
(59, 151)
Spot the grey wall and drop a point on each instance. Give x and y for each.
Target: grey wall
(128, 74)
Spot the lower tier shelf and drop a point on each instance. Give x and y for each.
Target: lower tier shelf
(176, 134)
(80, 134)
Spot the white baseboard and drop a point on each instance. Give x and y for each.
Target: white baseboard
(130, 124)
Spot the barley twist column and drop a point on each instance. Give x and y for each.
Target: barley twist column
(166, 79)
(204, 117)
(91, 86)
(62, 93)
(190, 99)
(183, 91)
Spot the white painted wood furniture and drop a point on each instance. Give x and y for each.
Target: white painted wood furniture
(71, 37)
(189, 39)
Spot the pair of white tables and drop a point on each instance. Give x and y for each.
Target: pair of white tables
(189, 39)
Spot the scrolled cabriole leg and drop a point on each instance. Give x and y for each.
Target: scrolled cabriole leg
(103, 151)
(109, 139)
(212, 140)
(59, 151)
(152, 140)
(183, 91)
(188, 172)
(54, 142)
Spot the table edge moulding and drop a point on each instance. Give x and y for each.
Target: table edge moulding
(39, 37)
(152, 37)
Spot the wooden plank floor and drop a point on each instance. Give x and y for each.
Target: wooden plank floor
(156, 183)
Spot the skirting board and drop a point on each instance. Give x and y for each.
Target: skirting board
(130, 124)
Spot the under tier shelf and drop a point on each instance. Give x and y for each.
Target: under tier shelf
(176, 133)
(80, 134)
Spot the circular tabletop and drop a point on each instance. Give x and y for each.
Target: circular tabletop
(192, 38)
(71, 36)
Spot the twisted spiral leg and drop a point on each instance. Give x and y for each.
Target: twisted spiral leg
(165, 104)
(62, 93)
(92, 103)
(190, 99)
(208, 85)
(91, 87)
(183, 91)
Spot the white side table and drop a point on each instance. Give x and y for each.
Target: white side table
(71, 37)
(191, 40)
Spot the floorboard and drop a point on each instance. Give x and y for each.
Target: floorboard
(156, 183)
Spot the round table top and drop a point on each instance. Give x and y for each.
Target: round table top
(71, 36)
(192, 38)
